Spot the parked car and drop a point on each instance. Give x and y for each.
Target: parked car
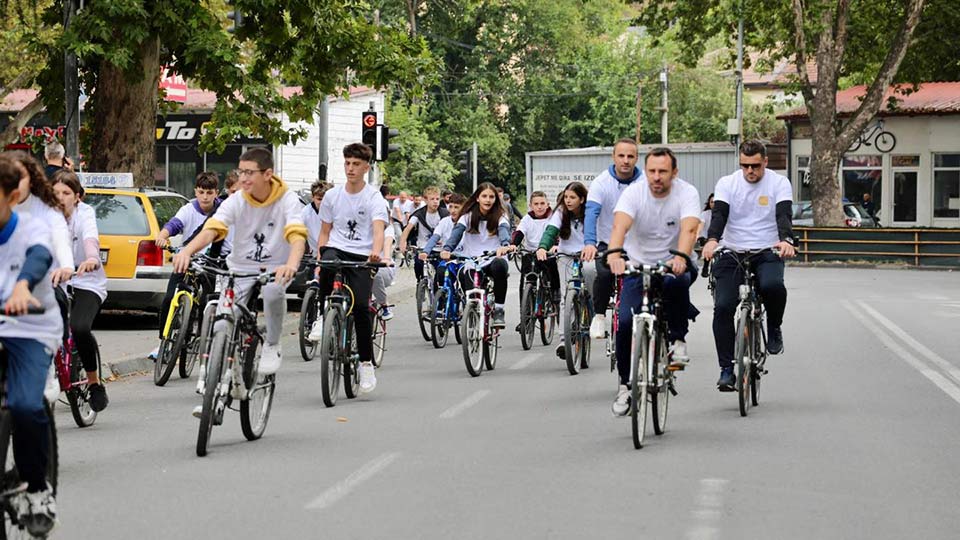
(856, 216)
(129, 221)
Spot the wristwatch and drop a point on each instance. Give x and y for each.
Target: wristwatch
(790, 240)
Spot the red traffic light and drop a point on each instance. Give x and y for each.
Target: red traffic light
(369, 120)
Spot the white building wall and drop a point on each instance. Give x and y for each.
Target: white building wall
(297, 163)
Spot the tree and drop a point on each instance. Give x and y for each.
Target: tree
(320, 46)
(24, 36)
(819, 30)
(419, 162)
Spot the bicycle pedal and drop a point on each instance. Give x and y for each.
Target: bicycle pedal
(676, 367)
(673, 390)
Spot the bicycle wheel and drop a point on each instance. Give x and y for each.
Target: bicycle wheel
(78, 396)
(308, 314)
(660, 385)
(212, 391)
(439, 325)
(424, 305)
(169, 350)
(472, 339)
(491, 346)
(885, 141)
(612, 344)
(760, 353)
(548, 316)
(638, 384)
(379, 339)
(330, 356)
(190, 349)
(528, 320)
(255, 410)
(455, 321)
(742, 357)
(856, 144)
(351, 363)
(585, 319)
(572, 339)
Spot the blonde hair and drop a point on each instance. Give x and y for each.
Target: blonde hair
(431, 190)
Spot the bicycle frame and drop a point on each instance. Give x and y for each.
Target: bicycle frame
(648, 318)
(191, 297)
(451, 269)
(478, 295)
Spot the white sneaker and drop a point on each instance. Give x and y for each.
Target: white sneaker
(678, 355)
(202, 380)
(38, 512)
(316, 331)
(270, 358)
(51, 391)
(368, 379)
(598, 328)
(198, 411)
(622, 404)
(386, 314)
(153, 354)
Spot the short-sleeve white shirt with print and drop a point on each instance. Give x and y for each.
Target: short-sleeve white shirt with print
(752, 223)
(532, 229)
(259, 232)
(656, 221)
(606, 191)
(423, 235)
(311, 218)
(575, 242)
(474, 244)
(352, 216)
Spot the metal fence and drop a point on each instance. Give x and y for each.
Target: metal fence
(915, 247)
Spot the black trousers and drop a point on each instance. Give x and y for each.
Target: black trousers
(497, 270)
(768, 269)
(86, 306)
(361, 282)
(529, 262)
(602, 284)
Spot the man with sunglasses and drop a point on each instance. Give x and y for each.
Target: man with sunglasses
(752, 210)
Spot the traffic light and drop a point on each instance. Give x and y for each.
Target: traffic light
(383, 145)
(466, 165)
(236, 18)
(370, 130)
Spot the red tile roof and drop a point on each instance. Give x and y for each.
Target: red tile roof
(197, 99)
(932, 98)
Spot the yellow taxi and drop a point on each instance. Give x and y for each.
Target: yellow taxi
(129, 220)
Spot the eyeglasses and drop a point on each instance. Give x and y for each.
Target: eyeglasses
(249, 172)
(756, 166)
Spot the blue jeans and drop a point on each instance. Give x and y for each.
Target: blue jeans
(28, 362)
(676, 309)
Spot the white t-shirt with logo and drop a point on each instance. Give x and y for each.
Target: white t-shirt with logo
(474, 244)
(311, 218)
(752, 223)
(82, 225)
(423, 234)
(570, 245)
(405, 208)
(352, 216)
(259, 232)
(532, 229)
(443, 230)
(606, 191)
(656, 222)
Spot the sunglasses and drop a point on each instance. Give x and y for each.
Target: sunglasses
(756, 166)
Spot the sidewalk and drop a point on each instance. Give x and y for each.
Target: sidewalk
(402, 291)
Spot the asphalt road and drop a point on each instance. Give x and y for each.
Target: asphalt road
(856, 437)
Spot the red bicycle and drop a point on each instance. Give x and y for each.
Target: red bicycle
(73, 379)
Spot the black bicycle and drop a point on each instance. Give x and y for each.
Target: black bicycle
(577, 314)
(425, 296)
(538, 309)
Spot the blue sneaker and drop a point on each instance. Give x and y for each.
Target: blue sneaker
(727, 382)
(386, 314)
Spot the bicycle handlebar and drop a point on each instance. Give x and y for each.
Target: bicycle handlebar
(352, 264)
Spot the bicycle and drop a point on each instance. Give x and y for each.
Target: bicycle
(883, 141)
(447, 306)
(425, 296)
(578, 312)
(11, 486)
(73, 378)
(537, 305)
(179, 345)
(309, 313)
(480, 340)
(338, 346)
(231, 366)
(651, 379)
(611, 344)
(750, 346)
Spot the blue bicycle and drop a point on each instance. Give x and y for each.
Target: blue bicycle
(447, 305)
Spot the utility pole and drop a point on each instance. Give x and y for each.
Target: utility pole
(323, 126)
(371, 175)
(474, 165)
(739, 136)
(71, 90)
(639, 108)
(663, 105)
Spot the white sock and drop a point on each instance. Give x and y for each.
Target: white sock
(498, 306)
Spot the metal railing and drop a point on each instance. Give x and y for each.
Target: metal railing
(916, 247)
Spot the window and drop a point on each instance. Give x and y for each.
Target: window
(121, 215)
(165, 207)
(160, 172)
(803, 178)
(946, 185)
(225, 162)
(862, 181)
(905, 175)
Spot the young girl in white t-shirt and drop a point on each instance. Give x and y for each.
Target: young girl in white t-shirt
(483, 227)
(89, 283)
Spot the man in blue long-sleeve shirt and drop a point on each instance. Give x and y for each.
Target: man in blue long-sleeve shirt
(602, 198)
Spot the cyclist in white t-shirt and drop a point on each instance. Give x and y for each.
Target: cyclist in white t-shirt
(752, 210)
(311, 213)
(528, 235)
(442, 232)
(421, 225)
(652, 218)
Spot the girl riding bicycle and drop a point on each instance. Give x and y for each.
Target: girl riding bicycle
(483, 226)
(528, 235)
(90, 282)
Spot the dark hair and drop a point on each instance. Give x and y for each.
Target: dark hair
(706, 205)
(9, 176)
(208, 180)
(567, 219)
(473, 207)
(319, 188)
(660, 152)
(384, 190)
(536, 194)
(358, 151)
(261, 156)
(457, 198)
(232, 177)
(752, 148)
(69, 179)
(625, 140)
(39, 186)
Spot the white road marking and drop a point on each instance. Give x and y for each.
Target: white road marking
(930, 297)
(708, 510)
(342, 488)
(936, 378)
(472, 400)
(530, 359)
(925, 351)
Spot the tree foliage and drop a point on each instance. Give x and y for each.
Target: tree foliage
(419, 162)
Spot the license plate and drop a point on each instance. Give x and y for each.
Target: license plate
(104, 254)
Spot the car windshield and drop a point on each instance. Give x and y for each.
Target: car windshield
(165, 207)
(120, 215)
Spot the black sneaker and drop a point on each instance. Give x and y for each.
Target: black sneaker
(518, 329)
(561, 352)
(98, 397)
(498, 321)
(727, 382)
(775, 341)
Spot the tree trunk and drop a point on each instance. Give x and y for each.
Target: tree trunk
(125, 118)
(12, 131)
